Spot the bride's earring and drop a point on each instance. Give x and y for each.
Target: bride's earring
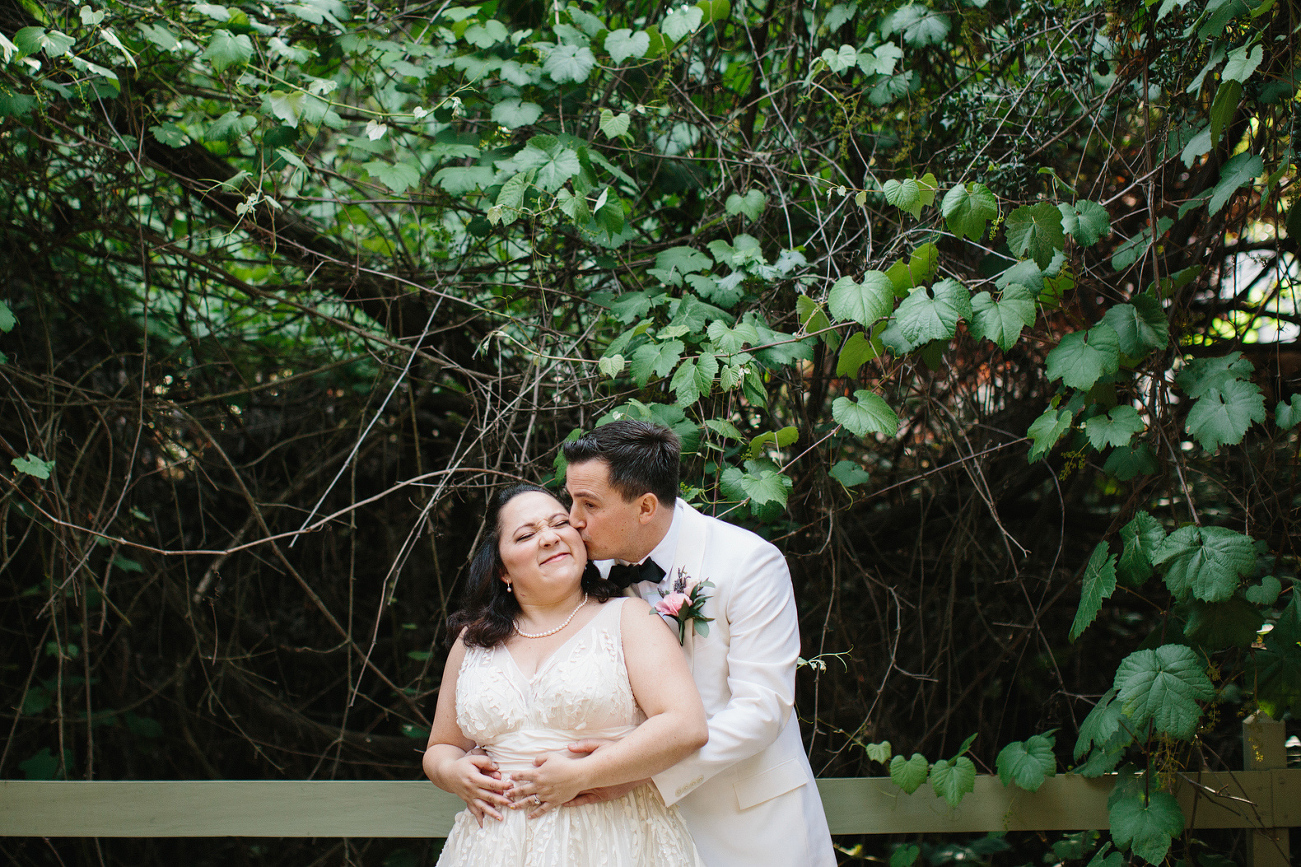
(509, 589)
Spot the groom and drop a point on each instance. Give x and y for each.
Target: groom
(748, 795)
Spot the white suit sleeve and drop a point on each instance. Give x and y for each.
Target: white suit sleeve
(759, 605)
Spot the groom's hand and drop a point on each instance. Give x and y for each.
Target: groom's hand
(604, 793)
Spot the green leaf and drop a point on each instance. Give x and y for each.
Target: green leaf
(928, 314)
(1223, 417)
(879, 752)
(760, 483)
(569, 63)
(231, 126)
(613, 125)
(398, 177)
(864, 302)
(1266, 592)
(1099, 584)
(1146, 828)
(1087, 222)
(1205, 561)
(968, 211)
(1220, 625)
(905, 195)
(1046, 430)
(953, 778)
(655, 359)
(920, 25)
(552, 162)
(170, 134)
(1141, 326)
(1002, 321)
(1141, 538)
(1101, 725)
(1243, 61)
(725, 429)
(612, 365)
(1203, 376)
(226, 49)
(1223, 107)
(909, 774)
(850, 475)
(514, 113)
(857, 351)
(486, 34)
(53, 43)
(7, 318)
(920, 269)
(1288, 415)
(751, 204)
(1037, 230)
(814, 320)
(624, 43)
(159, 35)
(1237, 172)
(905, 855)
(1082, 358)
(682, 22)
(867, 413)
(1278, 666)
(1116, 428)
(463, 180)
(1163, 687)
(769, 439)
(33, 466)
(1027, 763)
(43, 765)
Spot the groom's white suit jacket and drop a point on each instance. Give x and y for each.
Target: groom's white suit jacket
(748, 795)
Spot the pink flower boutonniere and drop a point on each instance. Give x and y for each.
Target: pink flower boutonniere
(685, 603)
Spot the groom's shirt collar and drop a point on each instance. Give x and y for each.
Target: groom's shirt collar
(665, 552)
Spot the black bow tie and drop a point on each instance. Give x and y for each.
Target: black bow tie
(626, 575)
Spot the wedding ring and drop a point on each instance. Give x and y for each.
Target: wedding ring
(537, 801)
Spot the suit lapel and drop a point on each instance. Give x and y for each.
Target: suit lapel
(693, 537)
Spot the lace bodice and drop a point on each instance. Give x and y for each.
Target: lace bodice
(580, 691)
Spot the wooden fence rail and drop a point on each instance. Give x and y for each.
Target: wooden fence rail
(1266, 798)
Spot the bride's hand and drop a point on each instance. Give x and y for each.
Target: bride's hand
(475, 779)
(555, 779)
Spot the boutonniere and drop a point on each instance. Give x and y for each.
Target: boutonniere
(685, 603)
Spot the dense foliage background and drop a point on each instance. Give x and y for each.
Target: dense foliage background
(985, 312)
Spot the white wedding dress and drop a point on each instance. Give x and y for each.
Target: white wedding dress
(580, 691)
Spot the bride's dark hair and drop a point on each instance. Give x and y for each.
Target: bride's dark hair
(489, 614)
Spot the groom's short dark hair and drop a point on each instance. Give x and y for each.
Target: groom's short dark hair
(643, 457)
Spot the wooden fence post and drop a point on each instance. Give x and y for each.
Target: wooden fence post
(1263, 748)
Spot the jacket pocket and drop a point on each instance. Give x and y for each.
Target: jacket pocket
(766, 785)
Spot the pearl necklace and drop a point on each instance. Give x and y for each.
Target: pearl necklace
(568, 620)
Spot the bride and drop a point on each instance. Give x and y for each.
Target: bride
(548, 655)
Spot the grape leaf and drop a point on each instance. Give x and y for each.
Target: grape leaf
(1099, 584)
(226, 49)
(1046, 430)
(1219, 625)
(906, 195)
(1266, 592)
(569, 63)
(1001, 321)
(1102, 723)
(920, 25)
(1127, 462)
(850, 474)
(864, 302)
(760, 483)
(7, 318)
(1202, 376)
(1243, 61)
(1146, 828)
(867, 413)
(398, 177)
(514, 113)
(879, 752)
(1087, 222)
(952, 778)
(1116, 428)
(909, 774)
(1082, 358)
(1236, 173)
(1163, 686)
(682, 22)
(968, 211)
(1141, 326)
(857, 351)
(1205, 561)
(1142, 536)
(169, 134)
(655, 359)
(1027, 763)
(623, 43)
(1037, 230)
(33, 466)
(928, 314)
(1287, 415)
(751, 204)
(1223, 417)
